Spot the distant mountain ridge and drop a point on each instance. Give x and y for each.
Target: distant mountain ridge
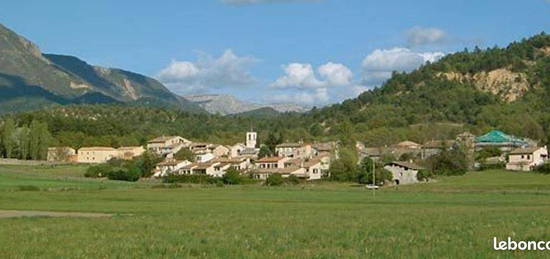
(30, 79)
(227, 105)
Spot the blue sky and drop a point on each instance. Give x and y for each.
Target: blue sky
(308, 52)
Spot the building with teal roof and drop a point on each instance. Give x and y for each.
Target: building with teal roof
(499, 139)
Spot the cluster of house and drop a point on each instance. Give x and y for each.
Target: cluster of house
(92, 155)
(518, 154)
(306, 161)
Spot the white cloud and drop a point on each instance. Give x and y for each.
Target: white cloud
(248, 2)
(310, 86)
(302, 76)
(207, 72)
(378, 66)
(336, 74)
(298, 76)
(421, 36)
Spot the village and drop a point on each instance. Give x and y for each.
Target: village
(311, 161)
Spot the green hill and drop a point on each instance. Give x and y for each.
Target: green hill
(30, 80)
(506, 88)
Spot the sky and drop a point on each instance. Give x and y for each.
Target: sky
(309, 52)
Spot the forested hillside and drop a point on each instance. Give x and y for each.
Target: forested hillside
(506, 88)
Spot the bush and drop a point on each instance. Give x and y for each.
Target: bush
(292, 179)
(365, 172)
(97, 171)
(449, 162)
(274, 180)
(544, 168)
(424, 175)
(232, 176)
(124, 174)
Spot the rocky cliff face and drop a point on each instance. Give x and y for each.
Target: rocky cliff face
(504, 83)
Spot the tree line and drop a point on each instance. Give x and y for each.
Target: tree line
(24, 141)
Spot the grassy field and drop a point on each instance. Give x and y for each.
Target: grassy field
(454, 217)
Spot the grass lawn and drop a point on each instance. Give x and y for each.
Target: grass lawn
(454, 217)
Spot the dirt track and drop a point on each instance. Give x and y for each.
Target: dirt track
(23, 213)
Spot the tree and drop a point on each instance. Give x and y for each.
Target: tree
(274, 180)
(185, 154)
(22, 138)
(39, 140)
(316, 130)
(146, 163)
(232, 176)
(365, 172)
(8, 141)
(345, 167)
(264, 152)
(272, 141)
(449, 162)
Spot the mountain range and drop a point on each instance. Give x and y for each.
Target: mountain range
(227, 104)
(30, 79)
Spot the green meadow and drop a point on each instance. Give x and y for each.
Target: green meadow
(453, 217)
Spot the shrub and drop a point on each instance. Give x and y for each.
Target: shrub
(98, 171)
(344, 169)
(424, 175)
(185, 154)
(274, 180)
(124, 174)
(449, 162)
(232, 176)
(544, 168)
(365, 172)
(292, 179)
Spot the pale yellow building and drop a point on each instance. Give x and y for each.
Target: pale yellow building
(95, 155)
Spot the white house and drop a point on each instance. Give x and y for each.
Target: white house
(170, 166)
(526, 159)
(203, 157)
(270, 162)
(207, 168)
(239, 163)
(403, 172)
(235, 150)
(167, 144)
(264, 173)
